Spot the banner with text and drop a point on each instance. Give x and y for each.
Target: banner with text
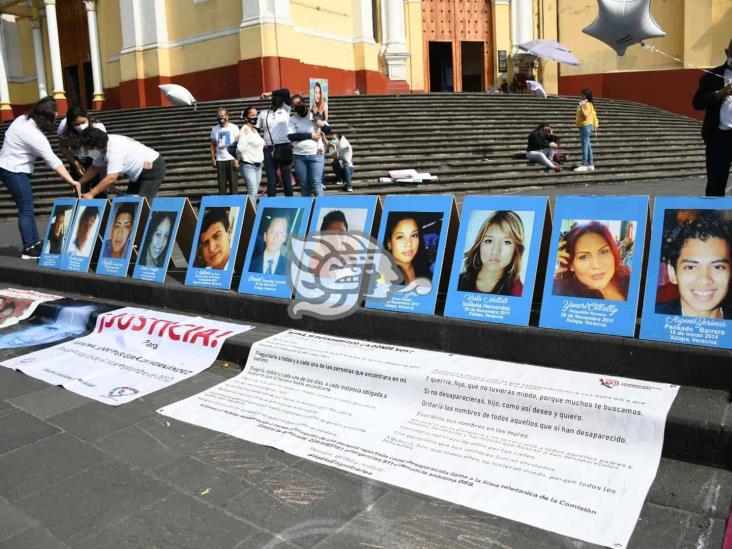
(17, 305)
(569, 452)
(131, 353)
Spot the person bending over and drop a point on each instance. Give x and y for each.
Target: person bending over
(542, 146)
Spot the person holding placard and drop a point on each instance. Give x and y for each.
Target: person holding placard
(590, 264)
(23, 143)
(223, 135)
(308, 156)
(493, 263)
(404, 240)
(156, 241)
(698, 257)
(122, 155)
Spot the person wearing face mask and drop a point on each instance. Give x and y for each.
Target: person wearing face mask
(343, 163)
(69, 130)
(714, 96)
(122, 155)
(23, 143)
(250, 150)
(306, 133)
(273, 123)
(223, 135)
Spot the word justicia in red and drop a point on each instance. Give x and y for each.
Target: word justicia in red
(194, 334)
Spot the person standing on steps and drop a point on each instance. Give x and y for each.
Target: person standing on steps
(250, 150)
(308, 151)
(586, 121)
(224, 135)
(714, 96)
(23, 143)
(273, 124)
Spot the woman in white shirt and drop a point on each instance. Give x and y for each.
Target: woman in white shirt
(24, 143)
(251, 153)
(308, 151)
(69, 141)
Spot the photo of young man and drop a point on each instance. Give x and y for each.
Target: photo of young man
(698, 262)
(60, 220)
(83, 240)
(273, 259)
(214, 242)
(117, 244)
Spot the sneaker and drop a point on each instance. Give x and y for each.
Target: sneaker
(349, 190)
(590, 168)
(33, 252)
(582, 169)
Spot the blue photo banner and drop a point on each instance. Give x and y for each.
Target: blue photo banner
(83, 236)
(343, 213)
(216, 241)
(414, 230)
(119, 236)
(688, 292)
(158, 239)
(265, 267)
(57, 232)
(595, 261)
(496, 256)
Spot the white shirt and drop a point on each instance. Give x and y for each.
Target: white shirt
(250, 146)
(304, 124)
(63, 134)
(725, 111)
(345, 151)
(274, 125)
(84, 251)
(125, 155)
(222, 137)
(23, 144)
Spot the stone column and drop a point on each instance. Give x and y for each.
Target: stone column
(38, 54)
(395, 41)
(6, 111)
(91, 18)
(55, 54)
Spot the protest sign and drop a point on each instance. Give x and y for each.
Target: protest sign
(83, 239)
(57, 232)
(131, 353)
(569, 452)
(120, 235)
(17, 305)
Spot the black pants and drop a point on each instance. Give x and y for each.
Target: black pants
(228, 176)
(719, 158)
(285, 166)
(150, 179)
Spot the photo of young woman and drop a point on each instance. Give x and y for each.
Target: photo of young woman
(494, 260)
(319, 99)
(413, 238)
(157, 239)
(589, 262)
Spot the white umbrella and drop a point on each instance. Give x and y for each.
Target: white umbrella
(549, 49)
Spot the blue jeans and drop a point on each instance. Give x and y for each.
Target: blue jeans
(252, 174)
(585, 133)
(20, 189)
(343, 173)
(309, 171)
(270, 168)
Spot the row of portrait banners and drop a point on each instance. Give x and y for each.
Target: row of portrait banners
(492, 262)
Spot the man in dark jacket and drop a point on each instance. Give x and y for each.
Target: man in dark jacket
(715, 97)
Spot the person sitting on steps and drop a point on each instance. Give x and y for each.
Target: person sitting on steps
(542, 146)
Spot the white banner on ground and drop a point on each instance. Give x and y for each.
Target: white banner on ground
(131, 353)
(17, 305)
(569, 452)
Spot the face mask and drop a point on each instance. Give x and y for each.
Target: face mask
(302, 110)
(81, 127)
(94, 153)
(253, 121)
(222, 121)
(334, 142)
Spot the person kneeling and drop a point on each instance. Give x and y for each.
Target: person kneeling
(542, 147)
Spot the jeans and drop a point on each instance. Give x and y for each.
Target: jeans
(309, 171)
(585, 133)
(543, 156)
(719, 159)
(270, 168)
(18, 184)
(252, 174)
(343, 173)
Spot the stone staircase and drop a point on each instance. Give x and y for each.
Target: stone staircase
(470, 141)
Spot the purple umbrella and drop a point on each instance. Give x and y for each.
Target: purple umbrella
(549, 49)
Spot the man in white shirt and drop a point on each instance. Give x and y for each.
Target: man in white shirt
(714, 95)
(273, 260)
(223, 135)
(83, 241)
(122, 155)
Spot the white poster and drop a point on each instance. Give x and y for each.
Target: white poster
(131, 353)
(17, 305)
(569, 452)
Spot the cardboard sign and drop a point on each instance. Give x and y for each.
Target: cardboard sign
(595, 262)
(83, 240)
(496, 256)
(120, 235)
(319, 98)
(415, 231)
(688, 296)
(57, 232)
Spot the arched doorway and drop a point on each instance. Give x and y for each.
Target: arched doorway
(73, 34)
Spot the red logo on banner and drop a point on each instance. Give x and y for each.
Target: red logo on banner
(609, 383)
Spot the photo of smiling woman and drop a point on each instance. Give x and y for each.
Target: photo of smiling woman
(157, 238)
(413, 238)
(593, 259)
(493, 263)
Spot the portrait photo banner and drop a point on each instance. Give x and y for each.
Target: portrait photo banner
(158, 239)
(119, 236)
(568, 452)
(688, 291)
(17, 305)
(57, 232)
(131, 353)
(595, 261)
(83, 237)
